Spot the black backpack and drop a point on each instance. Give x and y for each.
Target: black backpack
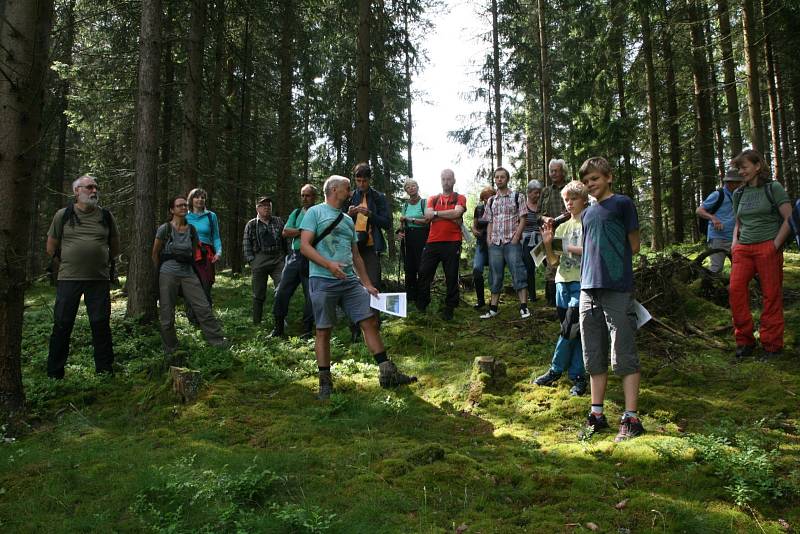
(718, 203)
(179, 258)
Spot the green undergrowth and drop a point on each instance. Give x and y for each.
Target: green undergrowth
(257, 453)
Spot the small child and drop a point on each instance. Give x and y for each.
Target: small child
(610, 238)
(568, 355)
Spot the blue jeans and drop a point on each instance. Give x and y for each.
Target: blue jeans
(500, 256)
(568, 355)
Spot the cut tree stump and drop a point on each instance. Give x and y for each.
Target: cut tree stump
(486, 372)
(185, 383)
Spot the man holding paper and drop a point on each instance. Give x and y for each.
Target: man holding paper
(328, 239)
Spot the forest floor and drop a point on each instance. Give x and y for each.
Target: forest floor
(257, 453)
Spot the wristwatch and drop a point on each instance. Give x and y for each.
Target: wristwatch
(435, 213)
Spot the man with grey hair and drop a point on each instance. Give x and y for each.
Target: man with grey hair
(552, 205)
(82, 240)
(328, 239)
(444, 213)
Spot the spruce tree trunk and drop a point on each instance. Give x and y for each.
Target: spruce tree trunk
(58, 172)
(498, 117)
(407, 65)
(284, 190)
(215, 100)
(190, 134)
(729, 79)
(702, 103)
(363, 82)
(243, 159)
(141, 276)
(166, 185)
(652, 114)
(24, 36)
(751, 59)
(772, 94)
(788, 170)
(618, 50)
(719, 142)
(676, 180)
(544, 88)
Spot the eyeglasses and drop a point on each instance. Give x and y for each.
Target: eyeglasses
(184, 205)
(90, 187)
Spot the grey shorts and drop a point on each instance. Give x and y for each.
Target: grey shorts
(327, 293)
(604, 314)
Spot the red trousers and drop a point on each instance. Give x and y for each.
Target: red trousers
(761, 258)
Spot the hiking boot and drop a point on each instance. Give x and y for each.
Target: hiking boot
(771, 355)
(579, 386)
(390, 377)
(547, 379)
(325, 385)
(479, 306)
(630, 427)
(279, 329)
(524, 313)
(743, 351)
(308, 334)
(447, 314)
(596, 422)
(489, 314)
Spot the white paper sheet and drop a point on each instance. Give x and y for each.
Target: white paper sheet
(539, 253)
(391, 303)
(642, 315)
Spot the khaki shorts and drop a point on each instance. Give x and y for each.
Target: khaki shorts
(606, 315)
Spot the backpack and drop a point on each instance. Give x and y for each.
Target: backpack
(517, 196)
(718, 203)
(179, 257)
(794, 219)
(71, 217)
(423, 201)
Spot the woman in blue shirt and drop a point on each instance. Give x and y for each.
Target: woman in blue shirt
(207, 226)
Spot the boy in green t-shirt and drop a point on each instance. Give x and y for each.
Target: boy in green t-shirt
(568, 355)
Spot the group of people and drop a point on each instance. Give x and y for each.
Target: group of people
(589, 234)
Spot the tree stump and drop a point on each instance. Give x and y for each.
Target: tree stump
(486, 372)
(490, 366)
(185, 383)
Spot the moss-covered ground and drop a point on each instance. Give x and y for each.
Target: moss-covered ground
(257, 453)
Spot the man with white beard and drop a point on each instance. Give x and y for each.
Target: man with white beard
(83, 240)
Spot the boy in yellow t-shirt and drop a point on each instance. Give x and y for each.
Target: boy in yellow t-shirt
(568, 355)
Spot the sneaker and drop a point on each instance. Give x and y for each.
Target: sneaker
(630, 427)
(524, 313)
(596, 422)
(447, 314)
(547, 379)
(743, 351)
(489, 314)
(325, 386)
(579, 386)
(390, 377)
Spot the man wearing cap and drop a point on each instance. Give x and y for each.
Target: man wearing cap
(263, 248)
(718, 210)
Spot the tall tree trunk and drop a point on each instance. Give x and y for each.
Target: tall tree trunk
(544, 87)
(729, 77)
(165, 182)
(702, 102)
(243, 156)
(772, 93)
(407, 65)
(284, 193)
(58, 172)
(496, 81)
(618, 51)
(676, 180)
(363, 81)
(24, 36)
(719, 144)
(652, 113)
(751, 40)
(786, 158)
(215, 100)
(141, 276)
(190, 134)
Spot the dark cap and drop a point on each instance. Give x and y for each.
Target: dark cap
(732, 175)
(263, 200)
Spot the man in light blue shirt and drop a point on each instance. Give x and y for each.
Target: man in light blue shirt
(719, 212)
(328, 239)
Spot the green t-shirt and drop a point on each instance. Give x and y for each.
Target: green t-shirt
(337, 245)
(84, 246)
(758, 220)
(294, 222)
(414, 211)
(569, 265)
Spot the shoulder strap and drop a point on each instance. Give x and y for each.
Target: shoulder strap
(770, 196)
(69, 216)
(210, 225)
(718, 203)
(327, 230)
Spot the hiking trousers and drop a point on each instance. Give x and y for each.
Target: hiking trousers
(414, 244)
(292, 277)
(264, 267)
(762, 259)
(449, 254)
(193, 294)
(98, 307)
